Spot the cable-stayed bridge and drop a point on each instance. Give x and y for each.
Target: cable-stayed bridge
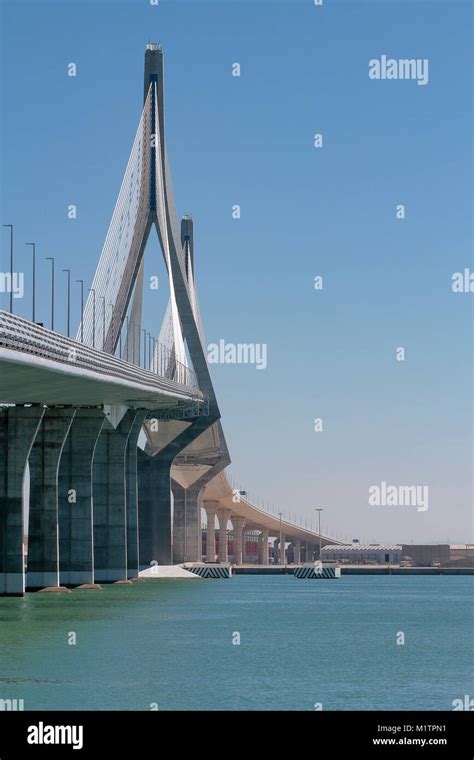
(117, 434)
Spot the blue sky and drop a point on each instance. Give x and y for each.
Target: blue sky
(304, 212)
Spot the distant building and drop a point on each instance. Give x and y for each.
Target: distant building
(374, 554)
(424, 555)
(461, 551)
(249, 546)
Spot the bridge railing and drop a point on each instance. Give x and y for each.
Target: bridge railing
(20, 334)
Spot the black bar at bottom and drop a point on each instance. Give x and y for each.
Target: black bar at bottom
(324, 734)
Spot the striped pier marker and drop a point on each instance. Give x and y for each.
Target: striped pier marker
(317, 571)
(210, 571)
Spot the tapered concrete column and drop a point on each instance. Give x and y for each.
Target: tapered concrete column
(223, 515)
(154, 509)
(211, 511)
(238, 525)
(76, 539)
(132, 495)
(263, 547)
(18, 428)
(309, 552)
(276, 551)
(147, 511)
(187, 534)
(297, 552)
(146, 528)
(43, 531)
(276, 541)
(110, 497)
(283, 551)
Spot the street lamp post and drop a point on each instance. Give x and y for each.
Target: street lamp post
(133, 340)
(11, 265)
(113, 348)
(92, 290)
(51, 259)
(127, 336)
(319, 529)
(82, 309)
(103, 322)
(33, 315)
(68, 301)
(281, 540)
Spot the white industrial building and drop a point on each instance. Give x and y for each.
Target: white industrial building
(376, 554)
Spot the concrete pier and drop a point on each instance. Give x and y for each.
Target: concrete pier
(43, 532)
(187, 541)
(223, 515)
(238, 525)
(211, 512)
(131, 472)
(263, 547)
(146, 528)
(76, 552)
(18, 428)
(296, 552)
(276, 551)
(154, 509)
(110, 493)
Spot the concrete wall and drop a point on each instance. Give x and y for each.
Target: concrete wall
(424, 554)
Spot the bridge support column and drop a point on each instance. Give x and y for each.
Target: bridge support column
(296, 552)
(187, 535)
(110, 496)
(282, 551)
(238, 525)
(76, 540)
(223, 515)
(276, 551)
(263, 547)
(131, 471)
(18, 428)
(154, 509)
(211, 511)
(43, 532)
(309, 552)
(146, 526)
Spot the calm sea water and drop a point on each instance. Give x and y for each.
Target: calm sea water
(301, 643)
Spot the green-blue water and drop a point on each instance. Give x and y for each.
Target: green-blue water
(301, 643)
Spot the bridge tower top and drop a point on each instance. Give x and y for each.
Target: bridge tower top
(153, 67)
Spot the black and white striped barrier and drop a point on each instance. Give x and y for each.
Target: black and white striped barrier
(317, 571)
(210, 571)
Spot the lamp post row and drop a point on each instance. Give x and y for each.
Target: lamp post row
(149, 341)
(33, 268)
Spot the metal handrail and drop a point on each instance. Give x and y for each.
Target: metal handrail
(27, 337)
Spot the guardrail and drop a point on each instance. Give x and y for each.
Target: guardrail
(20, 334)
